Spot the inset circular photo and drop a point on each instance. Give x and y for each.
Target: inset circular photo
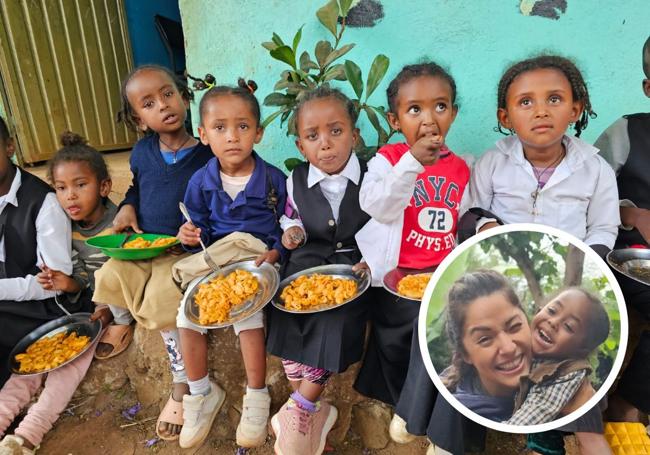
(523, 328)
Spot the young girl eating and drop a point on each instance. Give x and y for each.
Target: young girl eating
(413, 192)
(539, 174)
(154, 101)
(323, 207)
(233, 192)
(82, 184)
(564, 333)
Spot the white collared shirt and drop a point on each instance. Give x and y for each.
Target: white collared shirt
(581, 197)
(53, 242)
(332, 186)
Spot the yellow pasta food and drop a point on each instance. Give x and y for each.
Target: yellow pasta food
(163, 241)
(317, 290)
(216, 297)
(142, 243)
(413, 285)
(50, 352)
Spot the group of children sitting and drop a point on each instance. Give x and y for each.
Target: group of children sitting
(400, 209)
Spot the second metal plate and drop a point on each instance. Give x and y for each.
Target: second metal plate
(337, 271)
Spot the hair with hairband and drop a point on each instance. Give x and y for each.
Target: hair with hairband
(245, 90)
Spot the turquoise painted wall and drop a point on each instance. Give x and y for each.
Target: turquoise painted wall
(475, 39)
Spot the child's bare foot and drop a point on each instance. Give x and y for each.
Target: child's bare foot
(170, 421)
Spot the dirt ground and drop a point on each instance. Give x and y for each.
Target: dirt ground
(95, 425)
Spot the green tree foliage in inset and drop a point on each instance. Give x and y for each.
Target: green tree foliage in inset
(538, 267)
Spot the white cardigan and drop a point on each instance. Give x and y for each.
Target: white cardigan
(580, 197)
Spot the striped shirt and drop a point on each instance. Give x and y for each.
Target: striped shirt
(87, 259)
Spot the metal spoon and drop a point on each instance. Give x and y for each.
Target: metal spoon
(54, 288)
(206, 255)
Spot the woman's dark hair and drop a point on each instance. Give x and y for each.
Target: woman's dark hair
(410, 72)
(126, 114)
(322, 92)
(598, 324)
(463, 292)
(570, 71)
(75, 149)
(244, 89)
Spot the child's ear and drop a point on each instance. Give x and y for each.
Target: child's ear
(454, 112)
(393, 121)
(504, 120)
(299, 146)
(646, 87)
(203, 135)
(11, 147)
(143, 127)
(578, 107)
(259, 134)
(355, 136)
(105, 187)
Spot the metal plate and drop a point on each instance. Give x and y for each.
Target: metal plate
(337, 271)
(627, 261)
(394, 276)
(268, 279)
(78, 322)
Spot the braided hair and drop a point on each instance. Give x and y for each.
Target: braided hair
(126, 114)
(244, 90)
(410, 72)
(570, 71)
(463, 292)
(322, 92)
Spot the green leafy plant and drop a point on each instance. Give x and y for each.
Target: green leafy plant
(309, 71)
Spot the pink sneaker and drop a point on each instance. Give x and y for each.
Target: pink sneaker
(298, 432)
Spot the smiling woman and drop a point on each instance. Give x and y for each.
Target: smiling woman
(491, 342)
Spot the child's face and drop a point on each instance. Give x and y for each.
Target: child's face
(496, 339)
(539, 108)
(229, 127)
(157, 103)
(424, 108)
(79, 191)
(646, 87)
(560, 328)
(326, 134)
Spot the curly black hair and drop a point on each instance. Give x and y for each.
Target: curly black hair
(410, 72)
(76, 149)
(244, 89)
(321, 92)
(126, 114)
(567, 67)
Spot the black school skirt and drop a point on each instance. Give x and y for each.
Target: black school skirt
(385, 365)
(331, 339)
(17, 319)
(415, 404)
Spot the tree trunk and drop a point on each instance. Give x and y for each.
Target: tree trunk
(575, 260)
(527, 268)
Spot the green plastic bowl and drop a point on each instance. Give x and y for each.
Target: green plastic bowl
(110, 246)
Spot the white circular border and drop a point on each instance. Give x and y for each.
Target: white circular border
(424, 349)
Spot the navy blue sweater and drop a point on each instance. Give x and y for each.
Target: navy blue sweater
(158, 187)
